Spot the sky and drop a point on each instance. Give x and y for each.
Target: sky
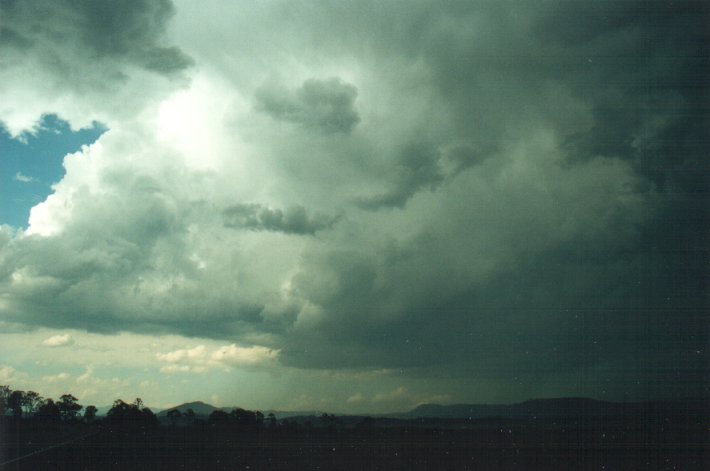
(355, 207)
(32, 163)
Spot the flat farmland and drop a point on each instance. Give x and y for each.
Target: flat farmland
(545, 446)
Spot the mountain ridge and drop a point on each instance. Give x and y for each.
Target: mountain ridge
(542, 408)
(203, 409)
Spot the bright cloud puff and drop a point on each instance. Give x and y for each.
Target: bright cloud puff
(199, 360)
(58, 341)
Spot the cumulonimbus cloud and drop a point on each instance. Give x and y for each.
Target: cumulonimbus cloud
(518, 189)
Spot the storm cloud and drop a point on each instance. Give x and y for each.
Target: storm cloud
(57, 32)
(503, 193)
(70, 52)
(294, 220)
(327, 105)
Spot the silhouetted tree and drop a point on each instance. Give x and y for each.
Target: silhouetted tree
(148, 418)
(368, 423)
(48, 412)
(190, 415)
(118, 409)
(174, 415)
(243, 418)
(271, 420)
(14, 403)
(218, 417)
(124, 415)
(68, 407)
(90, 413)
(4, 396)
(290, 426)
(328, 421)
(31, 403)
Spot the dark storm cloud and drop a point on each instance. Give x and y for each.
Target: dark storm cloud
(416, 168)
(547, 163)
(624, 294)
(461, 156)
(328, 105)
(654, 111)
(652, 59)
(419, 167)
(293, 220)
(129, 31)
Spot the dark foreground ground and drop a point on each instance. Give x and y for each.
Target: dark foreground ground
(486, 445)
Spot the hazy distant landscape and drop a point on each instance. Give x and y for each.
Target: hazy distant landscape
(554, 434)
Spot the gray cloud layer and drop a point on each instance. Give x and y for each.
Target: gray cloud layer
(85, 60)
(294, 220)
(57, 31)
(327, 105)
(522, 191)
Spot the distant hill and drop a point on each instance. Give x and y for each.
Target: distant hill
(198, 407)
(287, 414)
(558, 408)
(202, 409)
(540, 408)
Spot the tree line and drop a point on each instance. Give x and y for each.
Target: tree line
(30, 404)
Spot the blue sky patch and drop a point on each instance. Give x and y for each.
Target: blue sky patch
(31, 164)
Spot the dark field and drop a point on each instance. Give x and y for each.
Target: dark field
(481, 445)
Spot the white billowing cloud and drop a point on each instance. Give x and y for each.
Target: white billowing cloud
(199, 360)
(182, 369)
(58, 378)
(193, 122)
(58, 341)
(7, 374)
(192, 354)
(243, 356)
(87, 376)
